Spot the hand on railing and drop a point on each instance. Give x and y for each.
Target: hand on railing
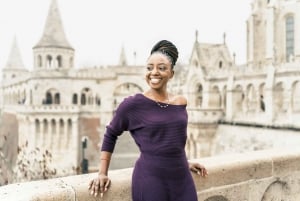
(198, 169)
(99, 185)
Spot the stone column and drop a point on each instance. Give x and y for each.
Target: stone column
(75, 142)
(66, 135)
(32, 133)
(270, 35)
(206, 96)
(269, 99)
(42, 135)
(230, 106)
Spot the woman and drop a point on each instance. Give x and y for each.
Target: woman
(157, 120)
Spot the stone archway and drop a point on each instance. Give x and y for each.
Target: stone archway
(124, 90)
(277, 191)
(296, 97)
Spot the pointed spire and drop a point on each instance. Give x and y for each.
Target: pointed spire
(14, 60)
(54, 35)
(224, 38)
(123, 60)
(196, 35)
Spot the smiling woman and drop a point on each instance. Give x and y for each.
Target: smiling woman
(157, 120)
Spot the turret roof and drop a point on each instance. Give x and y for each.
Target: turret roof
(54, 35)
(14, 60)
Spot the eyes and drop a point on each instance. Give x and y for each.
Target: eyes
(159, 68)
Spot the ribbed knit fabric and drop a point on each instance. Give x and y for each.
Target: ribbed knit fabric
(161, 173)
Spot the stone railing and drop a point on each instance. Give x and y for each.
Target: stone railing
(255, 176)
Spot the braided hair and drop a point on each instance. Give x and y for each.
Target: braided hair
(167, 48)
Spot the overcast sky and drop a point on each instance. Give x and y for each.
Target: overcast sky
(97, 29)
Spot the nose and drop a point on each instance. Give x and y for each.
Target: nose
(154, 71)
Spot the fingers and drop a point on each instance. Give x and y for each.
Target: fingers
(106, 185)
(200, 170)
(98, 186)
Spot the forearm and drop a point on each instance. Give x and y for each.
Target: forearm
(104, 162)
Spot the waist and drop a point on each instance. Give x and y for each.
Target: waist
(164, 161)
(175, 167)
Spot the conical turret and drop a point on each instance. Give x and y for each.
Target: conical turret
(14, 60)
(14, 66)
(53, 49)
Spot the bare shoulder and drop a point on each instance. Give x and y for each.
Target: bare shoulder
(178, 100)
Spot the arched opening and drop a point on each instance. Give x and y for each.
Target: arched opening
(220, 64)
(75, 99)
(59, 61)
(289, 37)
(57, 98)
(239, 97)
(37, 129)
(123, 90)
(48, 98)
(199, 95)
(49, 61)
(262, 106)
(296, 97)
(278, 97)
(83, 99)
(250, 99)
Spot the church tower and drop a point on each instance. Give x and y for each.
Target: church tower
(53, 51)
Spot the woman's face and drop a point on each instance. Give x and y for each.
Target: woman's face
(159, 71)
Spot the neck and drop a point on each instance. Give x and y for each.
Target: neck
(159, 95)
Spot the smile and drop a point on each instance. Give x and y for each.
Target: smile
(155, 80)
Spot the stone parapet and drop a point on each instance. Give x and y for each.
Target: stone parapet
(254, 176)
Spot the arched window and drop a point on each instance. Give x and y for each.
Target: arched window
(199, 95)
(49, 98)
(289, 37)
(57, 98)
(59, 61)
(49, 61)
(83, 99)
(220, 64)
(75, 99)
(37, 127)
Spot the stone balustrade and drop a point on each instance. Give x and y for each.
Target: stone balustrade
(255, 176)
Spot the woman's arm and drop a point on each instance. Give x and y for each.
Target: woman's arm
(102, 182)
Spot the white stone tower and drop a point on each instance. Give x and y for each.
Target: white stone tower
(53, 51)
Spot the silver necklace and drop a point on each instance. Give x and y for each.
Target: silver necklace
(164, 105)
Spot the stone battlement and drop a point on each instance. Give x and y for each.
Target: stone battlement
(255, 176)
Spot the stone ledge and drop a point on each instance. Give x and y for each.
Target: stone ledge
(242, 175)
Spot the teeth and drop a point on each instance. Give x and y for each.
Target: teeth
(155, 81)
